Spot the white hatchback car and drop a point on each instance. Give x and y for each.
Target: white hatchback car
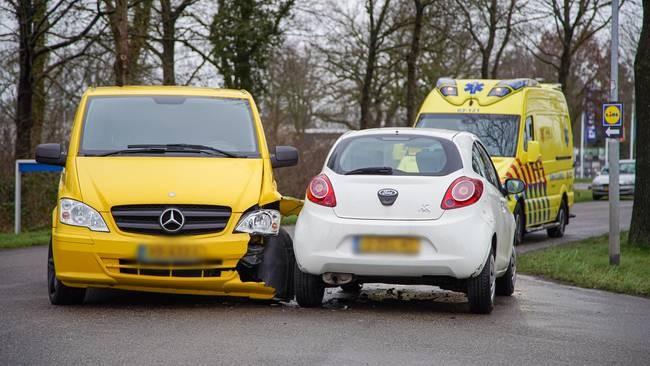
(407, 206)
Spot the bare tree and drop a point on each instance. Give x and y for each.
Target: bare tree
(129, 36)
(419, 6)
(36, 18)
(490, 23)
(575, 22)
(169, 14)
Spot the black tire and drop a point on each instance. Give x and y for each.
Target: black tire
(520, 222)
(506, 283)
(59, 293)
(562, 218)
(596, 197)
(481, 289)
(352, 287)
(309, 288)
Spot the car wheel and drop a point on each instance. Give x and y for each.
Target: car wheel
(506, 283)
(520, 223)
(59, 293)
(352, 287)
(482, 288)
(308, 287)
(596, 197)
(558, 231)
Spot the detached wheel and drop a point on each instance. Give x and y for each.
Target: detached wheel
(352, 287)
(520, 223)
(506, 283)
(309, 288)
(59, 293)
(562, 215)
(481, 289)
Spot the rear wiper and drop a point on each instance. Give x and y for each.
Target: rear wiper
(186, 147)
(380, 170)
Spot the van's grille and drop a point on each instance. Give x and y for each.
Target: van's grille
(145, 219)
(207, 269)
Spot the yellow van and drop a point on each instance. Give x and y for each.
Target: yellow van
(525, 125)
(169, 189)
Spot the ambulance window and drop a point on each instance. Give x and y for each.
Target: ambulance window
(528, 132)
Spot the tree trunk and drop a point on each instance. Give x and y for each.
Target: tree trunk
(640, 227)
(25, 88)
(411, 64)
(168, 42)
(119, 23)
(39, 102)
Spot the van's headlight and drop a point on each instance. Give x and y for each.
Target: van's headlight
(75, 213)
(260, 222)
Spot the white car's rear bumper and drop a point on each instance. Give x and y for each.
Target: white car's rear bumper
(456, 245)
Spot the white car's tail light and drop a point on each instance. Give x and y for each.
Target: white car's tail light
(463, 192)
(320, 191)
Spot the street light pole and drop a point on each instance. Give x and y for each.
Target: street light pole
(582, 145)
(613, 153)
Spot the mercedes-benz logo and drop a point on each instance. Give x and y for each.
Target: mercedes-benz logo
(172, 220)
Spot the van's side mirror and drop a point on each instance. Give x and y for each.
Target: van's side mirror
(514, 186)
(284, 156)
(51, 154)
(533, 152)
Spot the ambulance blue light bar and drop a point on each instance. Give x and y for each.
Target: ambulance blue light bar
(447, 87)
(504, 87)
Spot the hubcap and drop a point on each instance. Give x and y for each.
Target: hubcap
(562, 220)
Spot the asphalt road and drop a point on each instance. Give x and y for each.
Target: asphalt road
(543, 323)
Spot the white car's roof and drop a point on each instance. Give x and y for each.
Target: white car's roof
(434, 132)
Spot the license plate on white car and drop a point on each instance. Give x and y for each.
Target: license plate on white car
(387, 245)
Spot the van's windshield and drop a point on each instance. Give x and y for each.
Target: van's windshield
(498, 132)
(168, 124)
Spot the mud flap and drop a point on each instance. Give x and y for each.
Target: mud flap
(276, 269)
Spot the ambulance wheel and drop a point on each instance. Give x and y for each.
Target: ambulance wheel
(309, 288)
(562, 219)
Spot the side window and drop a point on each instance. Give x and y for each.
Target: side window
(491, 173)
(477, 162)
(528, 132)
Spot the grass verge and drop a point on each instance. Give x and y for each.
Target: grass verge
(582, 195)
(586, 264)
(26, 239)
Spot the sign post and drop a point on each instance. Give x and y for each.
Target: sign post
(613, 116)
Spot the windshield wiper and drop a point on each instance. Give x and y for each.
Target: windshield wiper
(206, 148)
(148, 150)
(379, 170)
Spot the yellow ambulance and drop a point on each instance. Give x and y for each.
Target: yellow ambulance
(526, 128)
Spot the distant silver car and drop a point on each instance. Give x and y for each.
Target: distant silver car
(627, 174)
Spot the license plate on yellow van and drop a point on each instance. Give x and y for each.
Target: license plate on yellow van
(387, 245)
(170, 253)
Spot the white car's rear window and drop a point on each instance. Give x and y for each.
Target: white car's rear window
(392, 154)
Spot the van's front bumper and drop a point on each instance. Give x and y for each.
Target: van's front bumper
(108, 260)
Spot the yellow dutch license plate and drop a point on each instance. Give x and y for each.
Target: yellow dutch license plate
(387, 245)
(170, 253)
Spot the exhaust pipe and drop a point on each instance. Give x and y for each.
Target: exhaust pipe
(337, 279)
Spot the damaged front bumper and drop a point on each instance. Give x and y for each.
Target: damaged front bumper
(231, 264)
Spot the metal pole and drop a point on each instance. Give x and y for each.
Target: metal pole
(17, 200)
(582, 145)
(632, 120)
(614, 209)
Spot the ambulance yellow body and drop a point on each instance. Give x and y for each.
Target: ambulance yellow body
(526, 127)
